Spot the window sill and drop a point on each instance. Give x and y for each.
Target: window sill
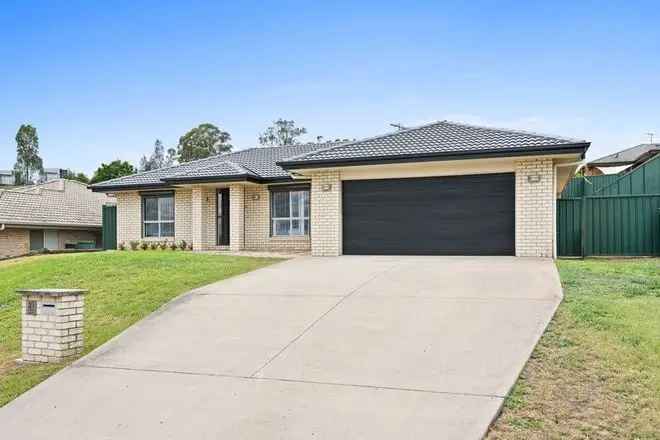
(290, 237)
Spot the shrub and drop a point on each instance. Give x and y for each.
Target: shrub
(183, 245)
(190, 247)
(153, 245)
(121, 246)
(174, 246)
(134, 244)
(144, 245)
(163, 245)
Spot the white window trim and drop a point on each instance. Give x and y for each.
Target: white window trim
(301, 219)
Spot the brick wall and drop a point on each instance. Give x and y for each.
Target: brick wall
(257, 225)
(14, 242)
(326, 213)
(129, 217)
(183, 215)
(53, 333)
(535, 202)
(237, 217)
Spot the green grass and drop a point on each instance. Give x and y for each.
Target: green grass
(596, 370)
(124, 287)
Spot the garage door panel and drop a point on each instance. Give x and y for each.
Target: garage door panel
(456, 215)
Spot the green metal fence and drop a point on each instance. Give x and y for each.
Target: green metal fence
(109, 227)
(609, 225)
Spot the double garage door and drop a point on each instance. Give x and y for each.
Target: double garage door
(454, 215)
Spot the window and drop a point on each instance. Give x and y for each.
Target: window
(289, 212)
(158, 215)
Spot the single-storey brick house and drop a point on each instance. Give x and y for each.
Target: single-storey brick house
(443, 188)
(55, 215)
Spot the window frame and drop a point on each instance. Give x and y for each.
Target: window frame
(290, 189)
(159, 222)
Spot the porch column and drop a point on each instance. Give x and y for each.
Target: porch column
(236, 217)
(198, 227)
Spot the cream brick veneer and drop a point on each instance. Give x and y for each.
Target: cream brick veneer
(129, 217)
(237, 217)
(55, 331)
(326, 213)
(203, 219)
(195, 220)
(14, 242)
(257, 225)
(535, 204)
(183, 215)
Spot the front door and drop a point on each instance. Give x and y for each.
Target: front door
(222, 223)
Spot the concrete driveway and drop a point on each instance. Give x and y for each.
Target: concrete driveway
(324, 348)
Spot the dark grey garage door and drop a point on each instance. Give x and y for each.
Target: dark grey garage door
(456, 215)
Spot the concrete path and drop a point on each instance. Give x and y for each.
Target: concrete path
(323, 348)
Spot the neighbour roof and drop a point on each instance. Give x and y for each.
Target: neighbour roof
(627, 156)
(259, 164)
(58, 202)
(437, 139)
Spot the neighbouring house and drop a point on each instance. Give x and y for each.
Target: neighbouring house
(622, 161)
(60, 214)
(443, 188)
(7, 177)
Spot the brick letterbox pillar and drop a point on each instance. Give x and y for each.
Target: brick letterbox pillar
(52, 324)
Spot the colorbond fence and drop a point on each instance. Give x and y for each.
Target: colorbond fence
(611, 215)
(109, 234)
(609, 225)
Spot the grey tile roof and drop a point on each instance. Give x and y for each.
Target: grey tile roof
(258, 163)
(58, 203)
(437, 138)
(627, 156)
(263, 164)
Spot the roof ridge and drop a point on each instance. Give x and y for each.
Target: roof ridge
(333, 145)
(515, 131)
(370, 138)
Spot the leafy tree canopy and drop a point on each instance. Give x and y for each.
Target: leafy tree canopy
(114, 169)
(28, 163)
(80, 177)
(282, 132)
(158, 159)
(203, 141)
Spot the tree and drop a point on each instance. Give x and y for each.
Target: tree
(282, 132)
(72, 175)
(203, 141)
(158, 159)
(28, 162)
(80, 177)
(114, 169)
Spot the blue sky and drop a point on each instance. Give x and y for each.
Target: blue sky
(103, 80)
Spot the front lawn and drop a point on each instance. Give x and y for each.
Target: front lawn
(596, 371)
(124, 287)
